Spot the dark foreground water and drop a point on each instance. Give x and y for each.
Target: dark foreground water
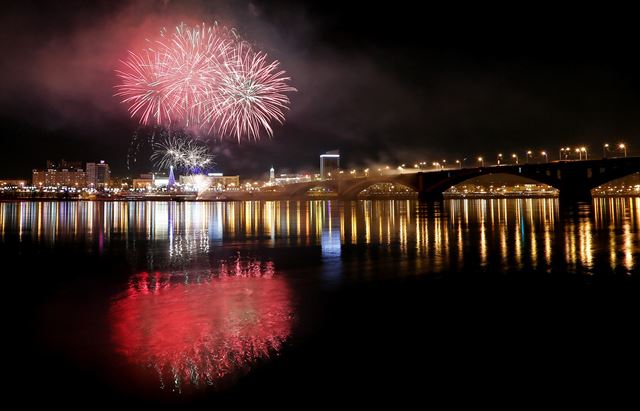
(187, 303)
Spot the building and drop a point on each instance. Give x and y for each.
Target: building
(142, 183)
(329, 164)
(272, 175)
(98, 174)
(217, 181)
(12, 183)
(226, 182)
(59, 178)
(150, 180)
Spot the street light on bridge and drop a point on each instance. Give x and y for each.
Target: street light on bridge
(515, 157)
(605, 150)
(546, 157)
(623, 147)
(528, 155)
(459, 163)
(586, 153)
(499, 158)
(481, 161)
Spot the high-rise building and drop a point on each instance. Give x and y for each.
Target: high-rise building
(98, 174)
(329, 164)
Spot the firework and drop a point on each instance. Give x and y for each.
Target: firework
(142, 88)
(250, 96)
(206, 79)
(182, 153)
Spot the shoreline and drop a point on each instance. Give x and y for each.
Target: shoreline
(276, 198)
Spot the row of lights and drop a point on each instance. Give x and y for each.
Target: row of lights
(564, 154)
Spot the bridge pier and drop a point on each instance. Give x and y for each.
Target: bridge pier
(430, 196)
(575, 194)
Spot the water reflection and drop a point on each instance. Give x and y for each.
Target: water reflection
(457, 235)
(196, 328)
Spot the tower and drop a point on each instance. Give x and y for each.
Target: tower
(272, 175)
(172, 179)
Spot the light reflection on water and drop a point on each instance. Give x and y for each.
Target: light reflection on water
(196, 328)
(500, 234)
(194, 317)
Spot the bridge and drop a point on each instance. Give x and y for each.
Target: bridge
(574, 179)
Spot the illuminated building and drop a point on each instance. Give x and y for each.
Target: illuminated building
(329, 164)
(216, 181)
(272, 175)
(150, 180)
(12, 183)
(60, 178)
(98, 174)
(142, 183)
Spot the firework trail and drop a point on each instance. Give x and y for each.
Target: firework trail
(205, 78)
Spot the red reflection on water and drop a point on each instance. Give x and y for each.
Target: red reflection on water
(197, 329)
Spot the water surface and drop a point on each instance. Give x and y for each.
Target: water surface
(200, 301)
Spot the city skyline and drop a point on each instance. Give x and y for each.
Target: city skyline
(563, 84)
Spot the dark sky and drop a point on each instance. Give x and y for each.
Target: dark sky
(393, 83)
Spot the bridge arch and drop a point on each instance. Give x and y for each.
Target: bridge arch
(440, 186)
(611, 186)
(300, 190)
(611, 177)
(493, 182)
(351, 190)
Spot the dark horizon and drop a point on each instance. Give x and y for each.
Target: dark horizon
(383, 85)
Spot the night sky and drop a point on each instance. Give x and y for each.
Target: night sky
(388, 84)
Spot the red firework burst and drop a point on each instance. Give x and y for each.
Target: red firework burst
(205, 78)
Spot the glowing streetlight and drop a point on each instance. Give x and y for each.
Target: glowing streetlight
(546, 157)
(528, 155)
(623, 147)
(515, 157)
(586, 153)
(605, 150)
(481, 161)
(499, 158)
(459, 163)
